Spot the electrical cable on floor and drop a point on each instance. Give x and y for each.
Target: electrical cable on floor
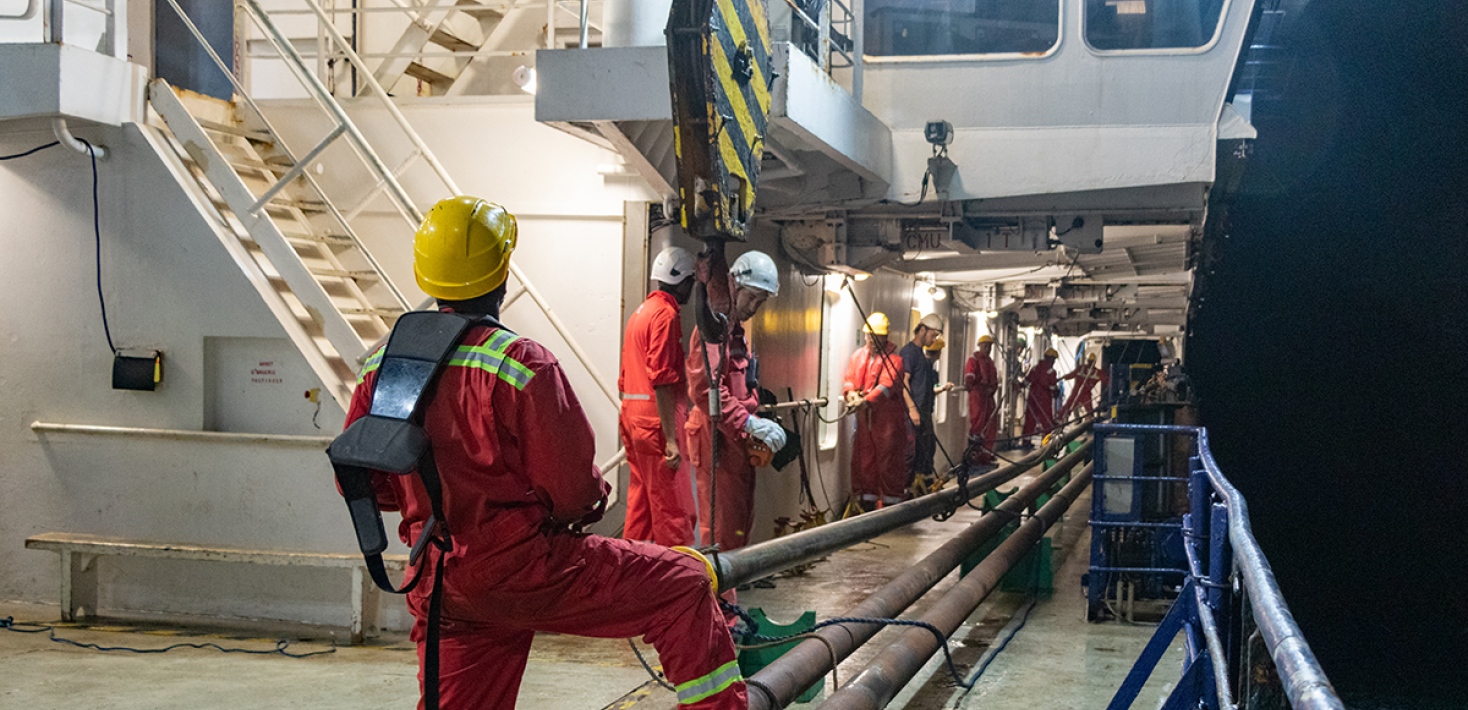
(10, 624)
(973, 680)
(659, 677)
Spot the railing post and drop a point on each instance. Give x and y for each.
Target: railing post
(858, 46)
(56, 21)
(1095, 581)
(1220, 568)
(824, 32)
(585, 34)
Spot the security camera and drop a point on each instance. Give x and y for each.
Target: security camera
(939, 133)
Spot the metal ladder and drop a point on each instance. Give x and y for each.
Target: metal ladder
(304, 253)
(301, 251)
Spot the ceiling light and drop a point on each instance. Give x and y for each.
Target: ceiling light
(524, 77)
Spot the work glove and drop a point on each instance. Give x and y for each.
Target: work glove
(768, 432)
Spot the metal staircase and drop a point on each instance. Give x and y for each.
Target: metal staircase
(304, 254)
(440, 41)
(306, 260)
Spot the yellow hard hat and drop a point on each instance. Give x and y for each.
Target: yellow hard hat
(985, 339)
(1050, 352)
(1090, 357)
(462, 250)
(936, 345)
(877, 324)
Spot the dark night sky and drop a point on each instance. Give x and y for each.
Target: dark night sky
(1331, 349)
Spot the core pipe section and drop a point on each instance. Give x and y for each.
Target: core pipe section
(756, 561)
(896, 665)
(803, 666)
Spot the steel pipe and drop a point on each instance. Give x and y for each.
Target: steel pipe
(803, 665)
(901, 660)
(750, 563)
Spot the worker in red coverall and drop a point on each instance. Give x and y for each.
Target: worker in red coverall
(752, 280)
(874, 391)
(1040, 402)
(981, 379)
(514, 453)
(654, 391)
(1086, 378)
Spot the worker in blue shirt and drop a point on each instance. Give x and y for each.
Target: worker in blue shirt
(920, 379)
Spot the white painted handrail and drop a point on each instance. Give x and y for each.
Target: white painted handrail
(225, 437)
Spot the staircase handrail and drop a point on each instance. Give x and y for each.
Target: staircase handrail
(344, 124)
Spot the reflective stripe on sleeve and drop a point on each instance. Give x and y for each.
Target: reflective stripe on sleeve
(700, 688)
(373, 362)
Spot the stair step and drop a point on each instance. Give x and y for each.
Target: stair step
(478, 11)
(280, 203)
(358, 275)
(422, 73)
(240, 131)
(332, 239)
(371, 312)
(450, 42)
(278, 165)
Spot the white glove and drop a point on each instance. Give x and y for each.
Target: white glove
(767, 431)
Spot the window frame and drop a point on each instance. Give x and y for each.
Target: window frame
(991, 57)
(1155, 51)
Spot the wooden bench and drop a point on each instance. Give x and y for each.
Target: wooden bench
(79, 554)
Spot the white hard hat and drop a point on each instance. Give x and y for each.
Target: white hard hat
(673, 266)
(932, 321)
(755, 269)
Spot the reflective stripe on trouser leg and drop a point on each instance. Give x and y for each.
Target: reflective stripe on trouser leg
(711, 684)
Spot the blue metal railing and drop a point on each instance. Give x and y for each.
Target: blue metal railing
(1228, 593)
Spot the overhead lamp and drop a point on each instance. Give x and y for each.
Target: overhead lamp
(861, 276)
(524, 77)
(939, 293)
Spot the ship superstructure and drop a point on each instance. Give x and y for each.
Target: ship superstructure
(1037, 172)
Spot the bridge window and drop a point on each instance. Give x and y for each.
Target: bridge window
(925, 28)
(1151, 24)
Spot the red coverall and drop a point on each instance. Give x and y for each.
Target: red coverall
(735, 476)
(879, 459)
(659, 499)
(982, 380)
(514, 452)
(1086, 377)
(1040, 402)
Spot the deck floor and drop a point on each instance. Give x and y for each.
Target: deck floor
(1057, 660)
